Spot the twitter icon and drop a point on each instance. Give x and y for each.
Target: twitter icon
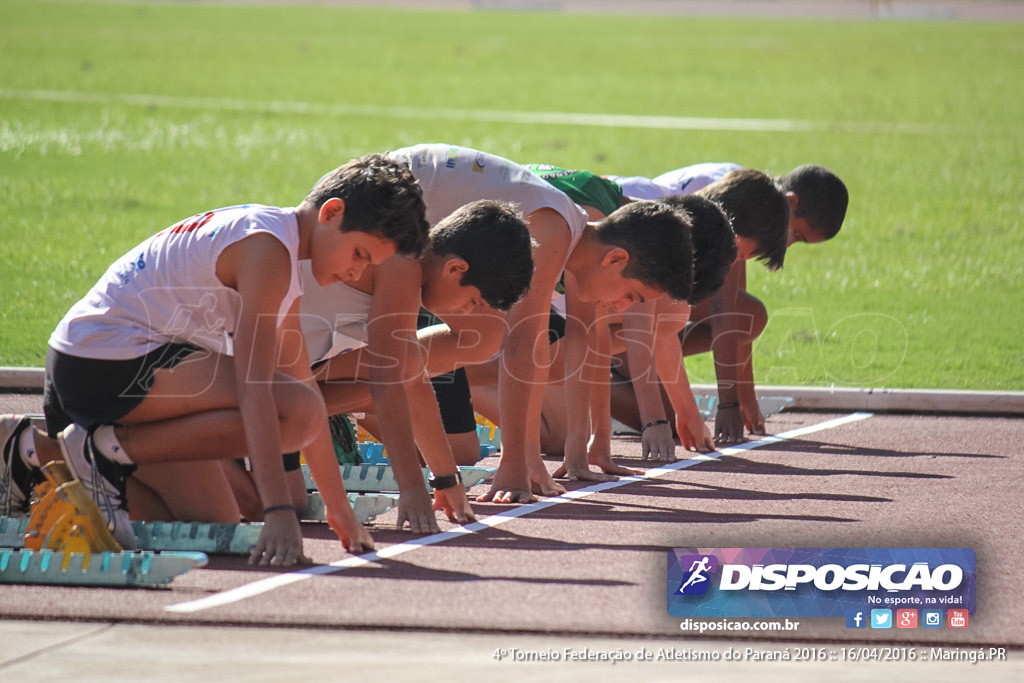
(881, 618)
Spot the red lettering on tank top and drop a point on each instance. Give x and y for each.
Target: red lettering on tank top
(194, 223)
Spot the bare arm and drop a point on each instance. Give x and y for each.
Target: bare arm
(690, 426)
(726, 333)
(259, 268)
(319, 454)
(753, 420)
(523, 368)
(581, 336)
(433, 443)
(600, 393)
(391, 337)
(638, 331)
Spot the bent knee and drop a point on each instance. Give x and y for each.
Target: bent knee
(302, 414)
(757, 312)
(760, 319)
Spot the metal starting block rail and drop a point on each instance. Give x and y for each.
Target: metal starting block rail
(121, 569)
(375, 478)
(366, 506)
(769, 405)
(198, 537)
(706, 403)
(218, 539)
(372, 453)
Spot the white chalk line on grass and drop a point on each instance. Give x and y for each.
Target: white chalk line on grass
(266, 585)
(478, 115)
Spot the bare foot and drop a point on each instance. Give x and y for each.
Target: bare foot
(543, 484)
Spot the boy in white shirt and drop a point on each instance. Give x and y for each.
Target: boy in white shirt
(173, 359)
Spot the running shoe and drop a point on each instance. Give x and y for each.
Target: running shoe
(102, 478)
(16, 478)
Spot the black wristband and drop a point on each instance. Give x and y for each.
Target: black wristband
(653, 423)
(277, 508)
(732, 404)
(445, 482)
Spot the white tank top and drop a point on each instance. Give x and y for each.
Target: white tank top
(686, 180)
(167, 290)
(333, 317)
(452, 176)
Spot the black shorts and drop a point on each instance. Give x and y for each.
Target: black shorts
(451, 390)
(92, 392)
(455, 402)
(556, 326)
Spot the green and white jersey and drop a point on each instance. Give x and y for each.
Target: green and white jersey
(583, 187)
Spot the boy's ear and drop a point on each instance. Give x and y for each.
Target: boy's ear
(616, 256)
(332, 209)
(455, 266)
(794, 201)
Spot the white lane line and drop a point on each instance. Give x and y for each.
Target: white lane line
(479, 115)
(265, 585)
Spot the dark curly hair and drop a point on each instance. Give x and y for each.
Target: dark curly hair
(822, 197)
(714, 243)
(492, 238)
(657, 238)
(381, 198)
(758, 209)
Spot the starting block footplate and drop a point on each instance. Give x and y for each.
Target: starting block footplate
(375, 478)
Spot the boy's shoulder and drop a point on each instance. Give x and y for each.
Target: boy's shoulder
(583, 187)
(689, 179)
(452, 175)
(226, 215)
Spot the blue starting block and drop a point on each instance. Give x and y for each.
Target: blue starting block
(201, 537)
(366, 506)
(372, 453)
(376, 478)
(769, 405)
(128, 568)
(706, 404)
(489, 434)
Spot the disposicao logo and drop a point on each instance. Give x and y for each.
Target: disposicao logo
(696, 580)
(822, 582)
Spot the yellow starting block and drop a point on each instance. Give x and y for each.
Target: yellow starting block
(65, 519)
(489, 433)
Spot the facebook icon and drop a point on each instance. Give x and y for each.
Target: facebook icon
(856, 618)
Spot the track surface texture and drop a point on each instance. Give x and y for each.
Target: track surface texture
(594, 568)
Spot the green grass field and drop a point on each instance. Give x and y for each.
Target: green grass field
(119, 119)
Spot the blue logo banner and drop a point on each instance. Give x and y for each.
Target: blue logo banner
(818, 582)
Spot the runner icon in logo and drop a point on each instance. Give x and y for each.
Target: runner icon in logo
(699, 569)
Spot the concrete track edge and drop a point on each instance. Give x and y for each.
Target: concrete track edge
(878, 400)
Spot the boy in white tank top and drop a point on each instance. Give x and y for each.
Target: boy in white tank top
(818, 201)
(478, 263)
(601, 264)
(172, 360)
